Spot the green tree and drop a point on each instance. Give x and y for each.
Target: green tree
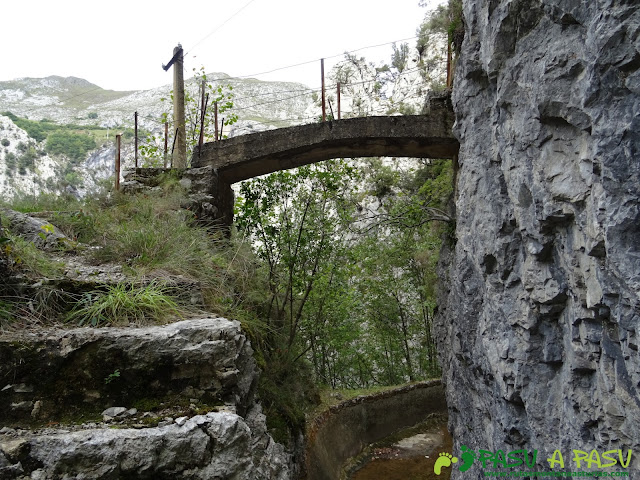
(400, 56)
(297, 221)
(446, 23)
(350, 287)
(73, 145)
(153, 150)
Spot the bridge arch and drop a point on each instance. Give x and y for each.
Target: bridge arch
(247, 156)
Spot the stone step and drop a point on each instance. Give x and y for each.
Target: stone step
(72, 375)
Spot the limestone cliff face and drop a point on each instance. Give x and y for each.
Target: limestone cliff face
(540, 307)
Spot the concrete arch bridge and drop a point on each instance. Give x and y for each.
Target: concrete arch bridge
(240, 158)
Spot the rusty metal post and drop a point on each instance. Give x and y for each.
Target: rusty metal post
(221, 127)
(135, 119)
(338, 100)
(117, 169)
(175, 137)
(215, 119)
(449, 79)
(173, 147)
(201, 138)
(166, 142)
(202, 117)
(324, 108)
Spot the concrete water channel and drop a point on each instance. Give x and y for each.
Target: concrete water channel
(410, 454)
(370, 437)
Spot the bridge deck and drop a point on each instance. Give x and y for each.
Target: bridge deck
(243, 157)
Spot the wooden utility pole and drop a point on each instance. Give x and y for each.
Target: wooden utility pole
(324, 108)
(117, 172)
(179, 159)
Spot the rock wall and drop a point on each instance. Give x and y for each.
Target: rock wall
(215, 445)
(209, 198)
(67, 372)
(540, 305)
(196, 378)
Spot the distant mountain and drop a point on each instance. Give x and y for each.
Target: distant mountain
(29, 163)
(56, 98)
(83, 118)
(75, 100)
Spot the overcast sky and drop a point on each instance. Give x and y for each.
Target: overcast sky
(121, 45)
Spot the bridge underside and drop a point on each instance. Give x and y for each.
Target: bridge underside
(247, 156)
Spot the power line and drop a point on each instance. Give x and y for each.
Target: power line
(261, 73)
(220, 26)
(318, 59)
(304, 93)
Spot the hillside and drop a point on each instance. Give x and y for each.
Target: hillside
(74, 100)
(86, 118)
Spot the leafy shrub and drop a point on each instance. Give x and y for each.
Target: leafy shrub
(27, 159)
(5, 142)
(6, 312)
(36, 130)
(11, 161)
(73, 145)
(26, 203)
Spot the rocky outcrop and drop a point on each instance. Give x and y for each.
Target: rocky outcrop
(209, 199)
(70, 372)
(215, 445)
(197, 377)
(40, 232)
(540, 308)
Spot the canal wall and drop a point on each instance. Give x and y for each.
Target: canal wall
(345, 429)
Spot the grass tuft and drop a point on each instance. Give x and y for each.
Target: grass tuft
(33, 261)
(124, 304)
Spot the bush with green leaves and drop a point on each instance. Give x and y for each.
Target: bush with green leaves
(73, 145)
(11, 162)
(6, 313)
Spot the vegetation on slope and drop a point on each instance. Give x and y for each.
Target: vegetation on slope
(331, 269)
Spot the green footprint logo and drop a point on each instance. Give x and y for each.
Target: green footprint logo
(468, 457)
(444, 460)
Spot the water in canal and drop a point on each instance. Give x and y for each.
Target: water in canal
(409, 455)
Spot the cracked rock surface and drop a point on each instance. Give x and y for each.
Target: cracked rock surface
(215, 445)
(84, 373)
(540, 308)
